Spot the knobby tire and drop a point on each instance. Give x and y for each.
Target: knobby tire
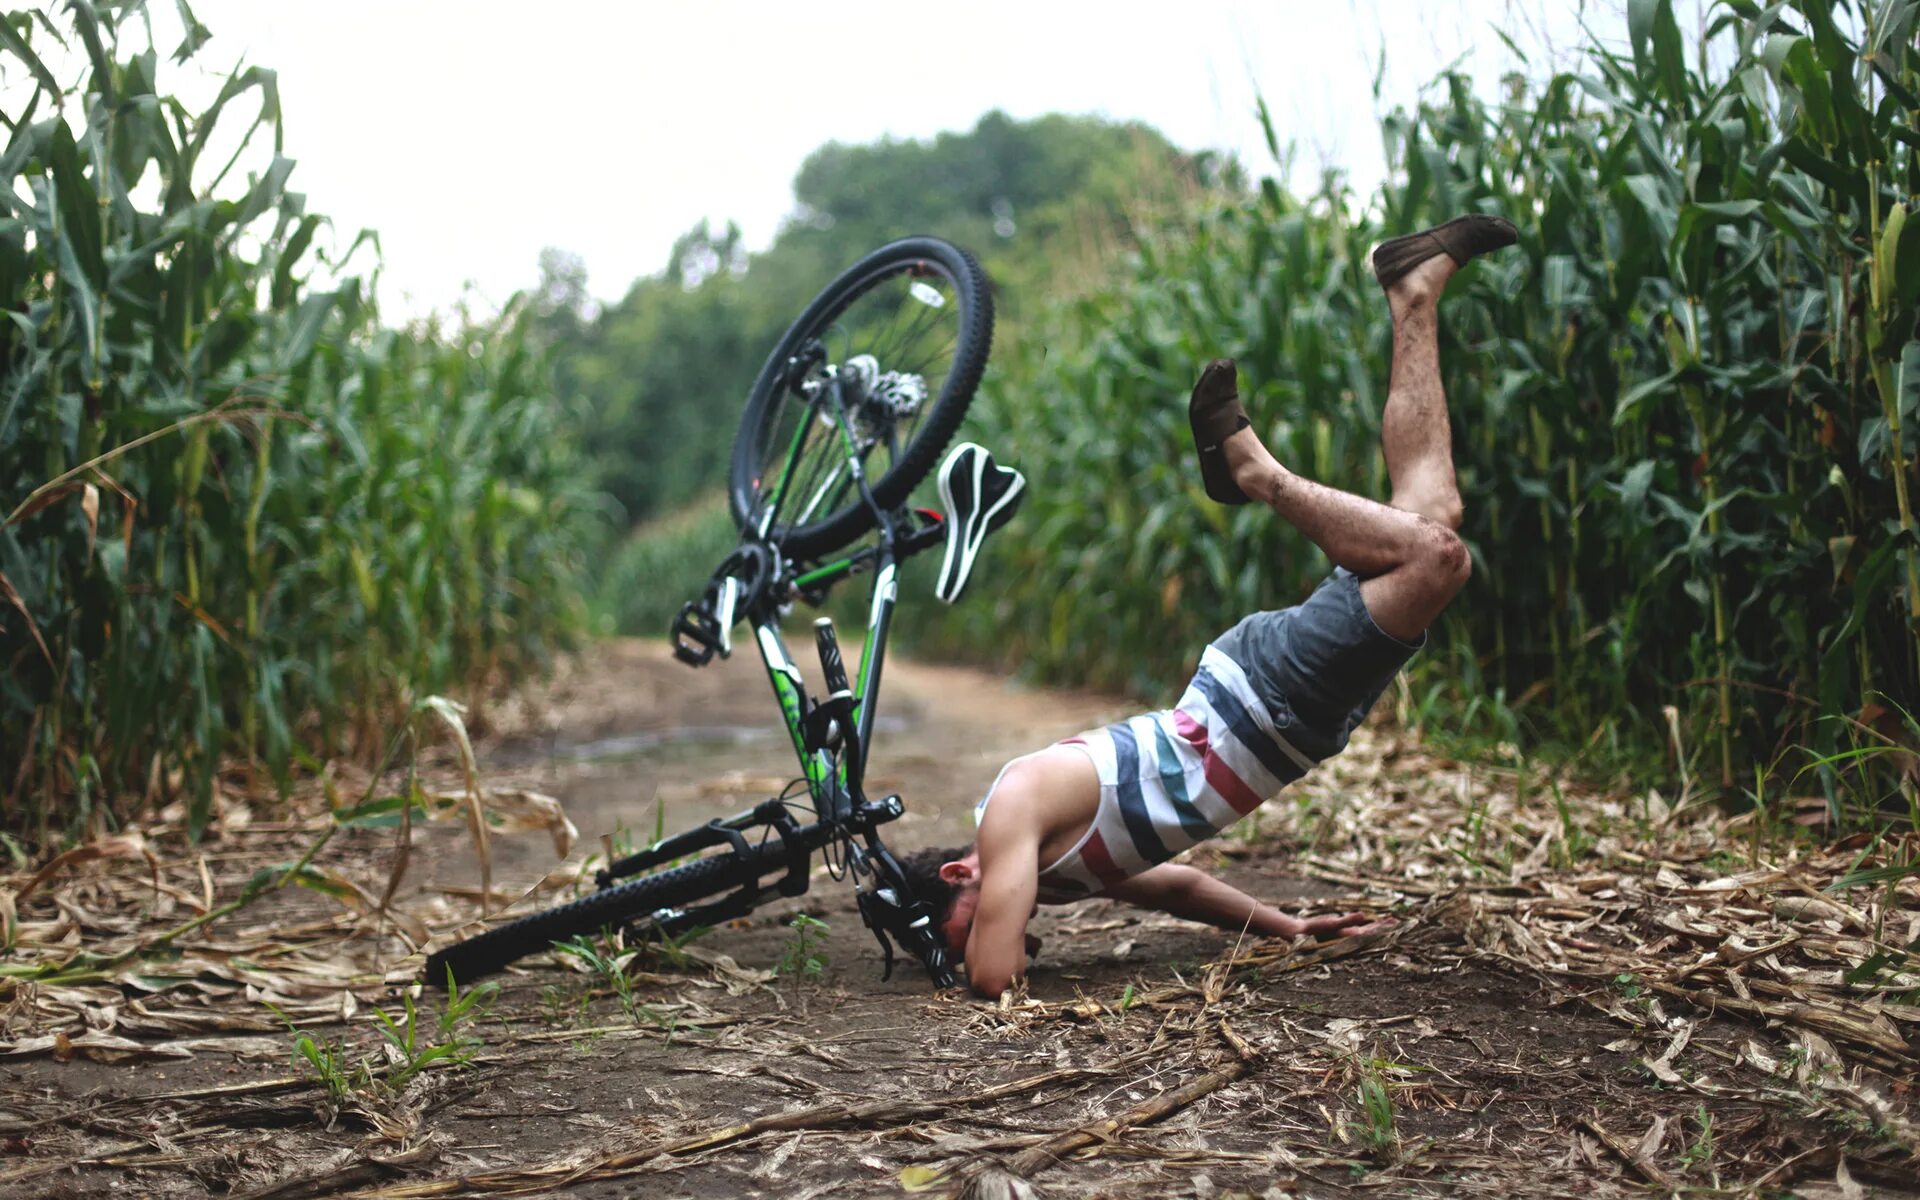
(675, 887)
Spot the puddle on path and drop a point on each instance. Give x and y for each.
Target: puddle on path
(654, 744)
(692, 773)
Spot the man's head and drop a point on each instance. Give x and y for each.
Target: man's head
(949, 881)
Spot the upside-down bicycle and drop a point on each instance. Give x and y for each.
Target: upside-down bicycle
(848, 415)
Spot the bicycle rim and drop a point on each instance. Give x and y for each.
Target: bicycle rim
(925, 319)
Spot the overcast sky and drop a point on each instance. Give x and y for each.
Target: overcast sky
(472, 134)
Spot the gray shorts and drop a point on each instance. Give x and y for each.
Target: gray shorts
(1319, 665)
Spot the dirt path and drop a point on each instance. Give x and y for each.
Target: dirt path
(1434, 1061)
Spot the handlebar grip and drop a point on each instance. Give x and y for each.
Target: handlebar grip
(831, 664)
(924, 945)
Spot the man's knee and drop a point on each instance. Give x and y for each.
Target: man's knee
(1443, 561)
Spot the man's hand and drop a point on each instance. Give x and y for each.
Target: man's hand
(1327, 928)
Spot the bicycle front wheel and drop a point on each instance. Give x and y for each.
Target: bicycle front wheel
(676, 887)
(912, 323)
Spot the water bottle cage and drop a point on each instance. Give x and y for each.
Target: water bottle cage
(828, 724)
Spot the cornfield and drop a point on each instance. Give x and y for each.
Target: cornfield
(1683, 408)
(239, 520)
(660, 566)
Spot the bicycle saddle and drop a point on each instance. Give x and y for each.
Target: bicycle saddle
(980, 496)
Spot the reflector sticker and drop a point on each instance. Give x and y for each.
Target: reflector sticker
(927, 294)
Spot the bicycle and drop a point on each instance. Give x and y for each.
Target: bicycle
(885, 359)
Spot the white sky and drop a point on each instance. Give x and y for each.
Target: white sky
(471, 134)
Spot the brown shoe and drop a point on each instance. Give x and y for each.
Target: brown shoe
(1460, 239)
(1216, 415)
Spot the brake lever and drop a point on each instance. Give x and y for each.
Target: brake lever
(933, 956)
(876, 924)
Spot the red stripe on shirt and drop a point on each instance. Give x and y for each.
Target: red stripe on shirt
(1220, 777)
(1093, 852)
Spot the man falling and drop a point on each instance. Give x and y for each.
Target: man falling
(1099, 814)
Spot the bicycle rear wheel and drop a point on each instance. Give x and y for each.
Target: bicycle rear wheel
(921, 307)
(676, 887)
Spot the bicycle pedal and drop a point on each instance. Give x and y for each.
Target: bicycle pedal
(695, 634)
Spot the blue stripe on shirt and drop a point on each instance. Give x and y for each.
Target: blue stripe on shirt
(1133, 806)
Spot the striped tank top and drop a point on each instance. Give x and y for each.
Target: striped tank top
(1172, 779)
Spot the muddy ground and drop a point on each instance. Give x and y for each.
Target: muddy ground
(1149, 1057)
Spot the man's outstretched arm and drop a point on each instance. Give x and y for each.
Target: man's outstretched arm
(1194, 895)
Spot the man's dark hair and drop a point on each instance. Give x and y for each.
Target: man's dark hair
(922, 869)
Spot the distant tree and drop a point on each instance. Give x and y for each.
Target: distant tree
(561, 305)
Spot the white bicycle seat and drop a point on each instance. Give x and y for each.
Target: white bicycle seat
(980, 496)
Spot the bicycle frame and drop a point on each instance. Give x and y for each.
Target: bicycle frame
(834, 791)
(830, 736)
(757, 583)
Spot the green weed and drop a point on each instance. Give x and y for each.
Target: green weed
(1377, 1129)
(327, 1062)
(804, 956)
(1699, 1151)
(611, 964)
(410, 1046)
(413, 1047)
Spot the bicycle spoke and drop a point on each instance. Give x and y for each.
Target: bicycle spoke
(819, 495)
(926, 314)
(825, 454)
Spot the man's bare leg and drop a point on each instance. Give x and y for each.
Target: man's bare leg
(1410, 561)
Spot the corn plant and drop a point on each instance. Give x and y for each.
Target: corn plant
(1378, 1129)
(660, 566)
(238, 517)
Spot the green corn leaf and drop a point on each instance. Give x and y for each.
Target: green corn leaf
(197, 35)
(283, 282)
(1657, 52)
(1835, 53)
(1630, 403)
(11, 40)
(86, 22)
(265, 193)
(79, 208)
(1637, 482)
(304, 328)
